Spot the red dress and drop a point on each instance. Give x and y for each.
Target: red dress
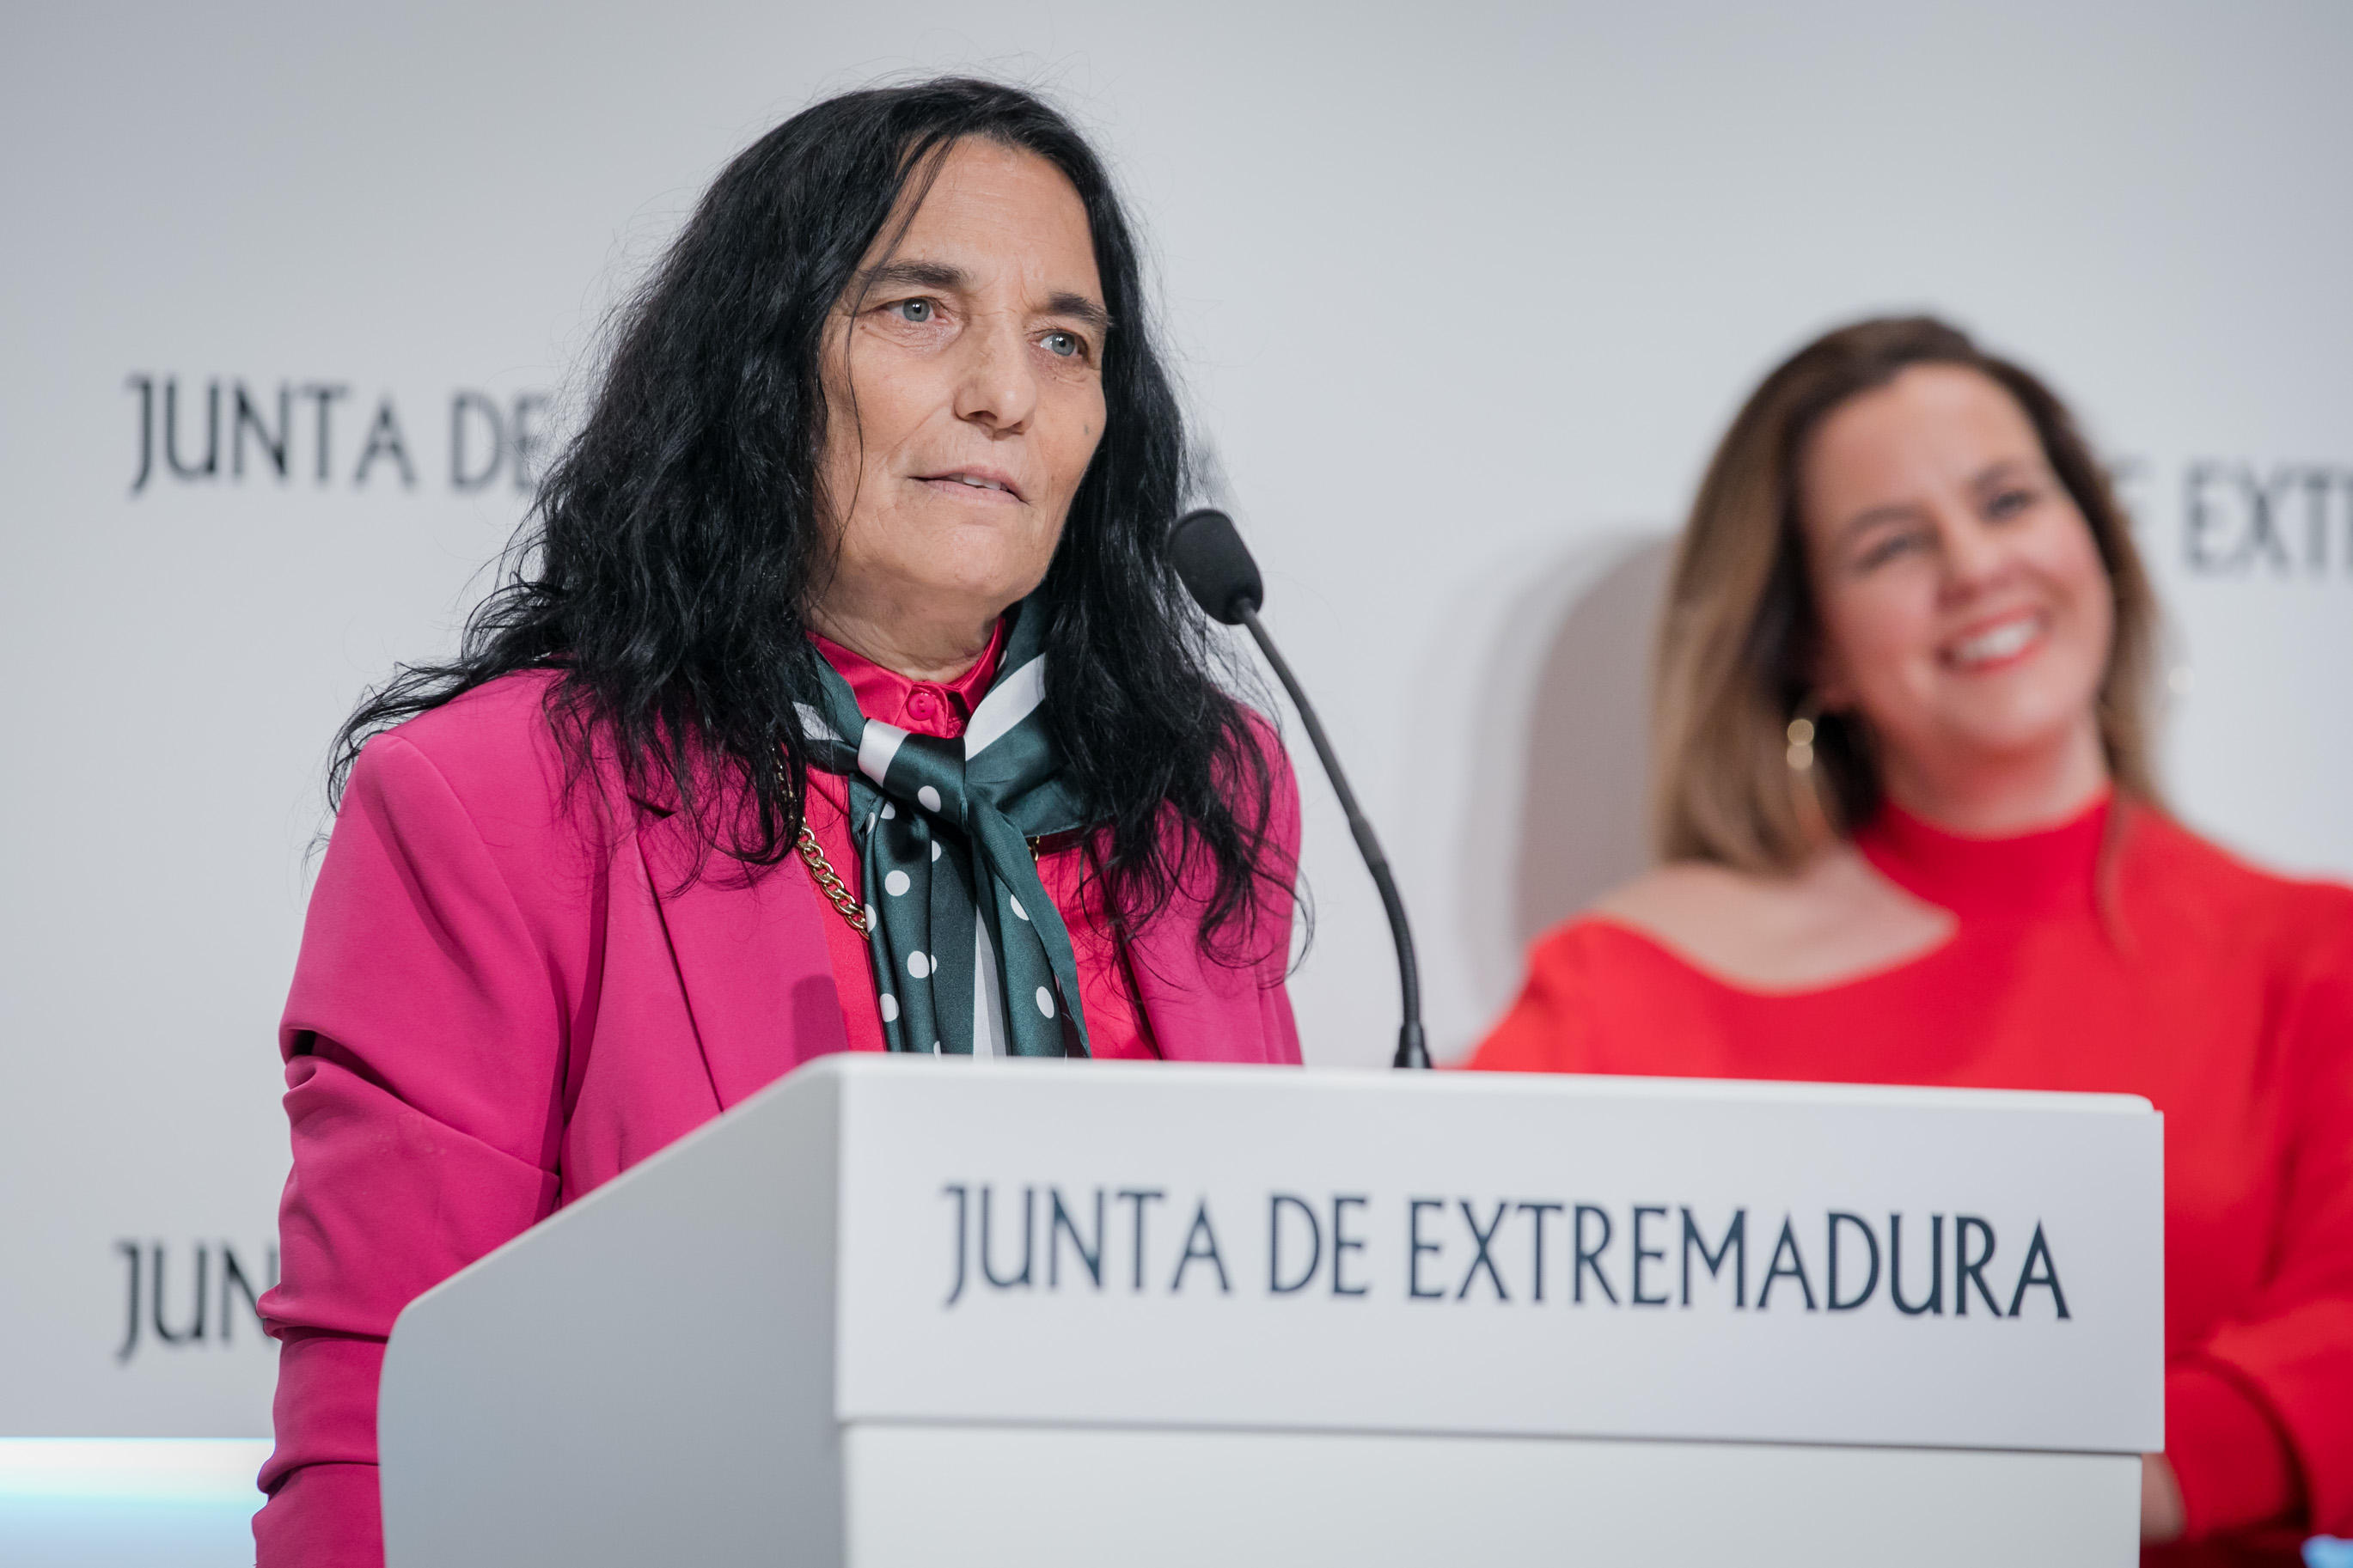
(2147, 962)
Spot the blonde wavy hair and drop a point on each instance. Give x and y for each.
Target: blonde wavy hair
(1738, 640)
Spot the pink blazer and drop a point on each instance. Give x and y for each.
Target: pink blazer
(505, 1000)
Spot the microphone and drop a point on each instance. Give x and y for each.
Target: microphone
(1217, 569)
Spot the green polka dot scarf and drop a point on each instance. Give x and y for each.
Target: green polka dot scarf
(969, 954)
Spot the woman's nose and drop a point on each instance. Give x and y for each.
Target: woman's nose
(1974, 554)
(1000, 389)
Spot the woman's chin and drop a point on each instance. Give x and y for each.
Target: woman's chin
(973, 562)
(982, 594)
(1979, 744)
(2024, 710)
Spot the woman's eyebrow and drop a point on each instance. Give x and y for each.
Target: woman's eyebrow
(1994, 473)
(1079, 308)
(915, 275)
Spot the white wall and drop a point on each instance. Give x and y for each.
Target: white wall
(1463, 296)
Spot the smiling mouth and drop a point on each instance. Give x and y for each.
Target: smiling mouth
(1997, 644)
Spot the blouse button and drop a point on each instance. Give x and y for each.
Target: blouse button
(922, 704)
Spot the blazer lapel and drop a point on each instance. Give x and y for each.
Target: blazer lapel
(750, 957)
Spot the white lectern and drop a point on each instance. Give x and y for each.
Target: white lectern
(902, 1312)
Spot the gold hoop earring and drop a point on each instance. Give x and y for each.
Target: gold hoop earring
(1800, 736)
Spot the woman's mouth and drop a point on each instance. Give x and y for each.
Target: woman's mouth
(2001, 643)
(979, 481)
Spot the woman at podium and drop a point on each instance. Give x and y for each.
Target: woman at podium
(842, 699)
(1911, 833)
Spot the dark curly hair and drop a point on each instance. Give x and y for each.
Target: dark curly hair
(669, 565)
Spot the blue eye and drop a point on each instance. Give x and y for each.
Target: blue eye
(1061, 345)
(918, 311)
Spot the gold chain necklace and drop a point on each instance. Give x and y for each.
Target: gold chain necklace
(821, 871)
(829, 881)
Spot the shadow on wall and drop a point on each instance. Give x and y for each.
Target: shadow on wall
(1551, 790)
(1584, 807)
(1554, 810)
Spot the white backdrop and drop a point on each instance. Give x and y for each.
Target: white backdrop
(1462, 299)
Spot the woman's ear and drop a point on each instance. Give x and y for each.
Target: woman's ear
(1831, 690)
(1816, 662)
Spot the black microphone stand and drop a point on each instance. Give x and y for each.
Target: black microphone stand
(1411, 1051)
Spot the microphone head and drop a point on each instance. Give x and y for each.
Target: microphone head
(1216, 566)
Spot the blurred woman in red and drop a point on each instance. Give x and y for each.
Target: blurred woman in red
(1911, 834)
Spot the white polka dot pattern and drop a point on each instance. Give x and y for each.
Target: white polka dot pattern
(901, 784)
